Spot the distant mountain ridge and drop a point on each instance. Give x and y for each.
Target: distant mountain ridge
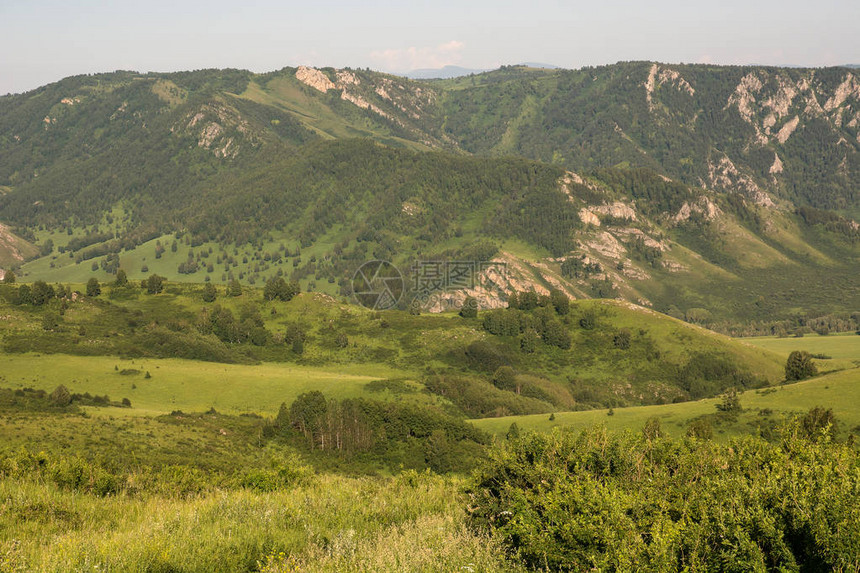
(724, 189)
(445, 72)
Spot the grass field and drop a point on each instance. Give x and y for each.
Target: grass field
(843, 348)
(839, 391)
(412, 523)
(187, 385)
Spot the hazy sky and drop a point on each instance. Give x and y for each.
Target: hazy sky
(45, 40)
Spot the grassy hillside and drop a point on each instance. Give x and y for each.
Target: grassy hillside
(258, 353)
(320, 170)
(763, 409)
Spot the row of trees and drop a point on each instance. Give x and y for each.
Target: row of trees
(360, 426)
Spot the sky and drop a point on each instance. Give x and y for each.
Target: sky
(42, 41)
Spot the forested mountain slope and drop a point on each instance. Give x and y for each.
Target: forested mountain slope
(711, 192)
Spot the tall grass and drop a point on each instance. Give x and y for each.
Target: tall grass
(414, 522)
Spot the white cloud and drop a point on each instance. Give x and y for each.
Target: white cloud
(412, 58)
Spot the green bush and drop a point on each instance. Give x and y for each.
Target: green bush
(596, 501)
(799, 366)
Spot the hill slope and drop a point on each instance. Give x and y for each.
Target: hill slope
(687, 188)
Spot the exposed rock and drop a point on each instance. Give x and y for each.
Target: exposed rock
(10, 243)
(363, 104)
(211, 123)
(588, 217)
(673, 266)
(492, 285)
(607, 245)
(777, 165)
(787, 129)
(850, 87)
(744, 95)
(658, 76)
(380, 91)
(781, 101)
(346, 77)
(570, 178)
(630, 233)
(725, 175)
(314, 78)
(617, 210)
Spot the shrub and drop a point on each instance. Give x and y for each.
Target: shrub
(93, 287)
(799, 366)
(469, 308)
(731, 402)
(700, 429)
(485, 356)
(621, 340)
(210, 293)
(588, 320)
(278, 288)
(619, 502)
(61, 396)
(818, 423)
(154, 284)
(556, 334)
(505, 378)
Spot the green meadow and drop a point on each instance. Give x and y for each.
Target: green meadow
(839, 391)
(842, 348)
(176, 384)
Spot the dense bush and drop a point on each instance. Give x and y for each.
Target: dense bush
(478, 398)
(799, 366)
(595, 501)
(414, 436)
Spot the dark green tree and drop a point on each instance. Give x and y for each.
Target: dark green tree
(234, 288)
(506, 378)
(437, 452)
(9, 278)
(469, 308)
(154, 284)
(799, 366)
(818, 422)
(556, 334)
(528, 341)
(25, 295)
(61, 396)
(121, 278)
(278, 288)
(93, 287)
(559, 301)
(528, 300)
(42, 292)
(210, 293)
